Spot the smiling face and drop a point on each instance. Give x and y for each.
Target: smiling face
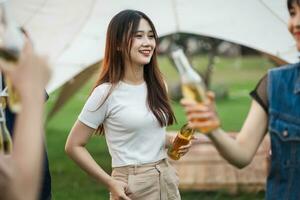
(143, 44)
(294, 22)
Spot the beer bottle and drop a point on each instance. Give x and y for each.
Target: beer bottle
(11, 45)
(13, 98)
(1, 143)
(193, 87)
(7, 144)
(6, 139)
(192, 84)
(2, 105)
(182, 138)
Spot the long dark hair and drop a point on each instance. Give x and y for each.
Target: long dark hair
(290, 3)
(120, 32)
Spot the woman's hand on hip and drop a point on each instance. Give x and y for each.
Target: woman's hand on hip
(119, 190)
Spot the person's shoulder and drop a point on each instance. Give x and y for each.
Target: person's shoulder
(102, 86)
(98, 96)
(285, 68)
(264, 78)
(101, 89)
(286, 72)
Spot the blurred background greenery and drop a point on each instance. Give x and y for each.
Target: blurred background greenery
(234, 77)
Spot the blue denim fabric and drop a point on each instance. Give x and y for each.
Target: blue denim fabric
(284, 127)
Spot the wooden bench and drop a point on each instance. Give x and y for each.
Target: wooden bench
(202, 168)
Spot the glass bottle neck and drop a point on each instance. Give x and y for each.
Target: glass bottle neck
(181, 62)
(186, 71)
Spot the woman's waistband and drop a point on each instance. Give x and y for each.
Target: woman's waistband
(142, 168)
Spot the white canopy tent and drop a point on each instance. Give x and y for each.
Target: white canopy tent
(72, 32)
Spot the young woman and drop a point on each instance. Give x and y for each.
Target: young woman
(129, 104)
(275, 109)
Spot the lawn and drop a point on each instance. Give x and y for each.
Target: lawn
(69, 182)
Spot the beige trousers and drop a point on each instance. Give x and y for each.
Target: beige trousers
(153, 181)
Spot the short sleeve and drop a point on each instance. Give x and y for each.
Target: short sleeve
(260, 93)
(95, 110)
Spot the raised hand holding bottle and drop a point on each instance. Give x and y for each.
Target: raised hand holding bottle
(192, 85)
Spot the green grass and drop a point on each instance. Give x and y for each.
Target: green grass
(220, 195)
(70, 182)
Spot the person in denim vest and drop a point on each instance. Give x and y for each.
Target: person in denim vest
(275, 109)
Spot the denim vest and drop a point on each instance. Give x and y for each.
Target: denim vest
(284, 127)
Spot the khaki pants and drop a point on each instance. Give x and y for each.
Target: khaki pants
(153, 181)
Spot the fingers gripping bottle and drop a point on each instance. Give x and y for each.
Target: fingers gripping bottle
(182, 138)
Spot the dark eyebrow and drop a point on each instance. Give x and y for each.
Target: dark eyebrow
(293, 5)
(143, 31)
(291, 9)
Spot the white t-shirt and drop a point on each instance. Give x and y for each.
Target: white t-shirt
(132, 132)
